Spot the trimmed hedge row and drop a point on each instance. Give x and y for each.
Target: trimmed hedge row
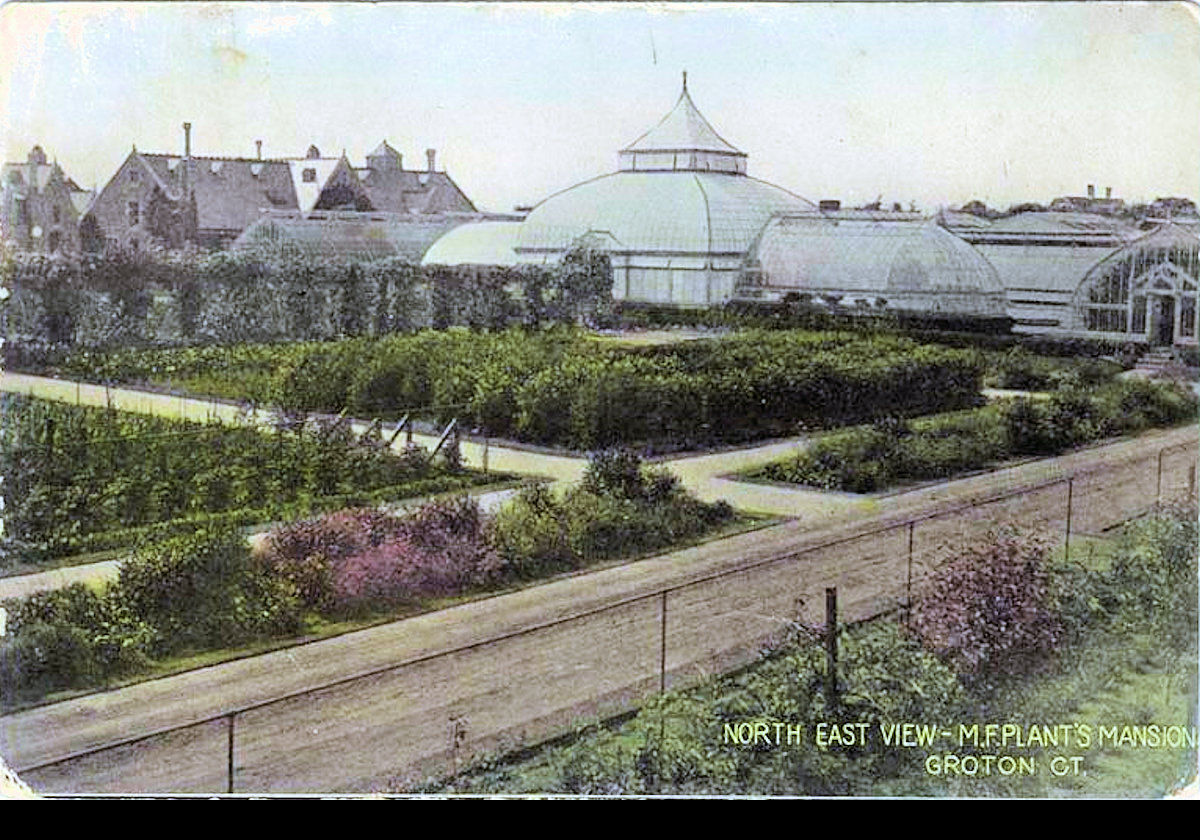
(871, 458)
(150, 298)
(558, 387)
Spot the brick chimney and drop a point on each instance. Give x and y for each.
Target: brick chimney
(258, 149)
(1108, 192)
(430, 154)
(1091, 190)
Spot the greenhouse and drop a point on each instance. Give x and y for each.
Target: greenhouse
(336, 235)
(1145, 291)
(675, 219)
(477, 243)
(871, 260)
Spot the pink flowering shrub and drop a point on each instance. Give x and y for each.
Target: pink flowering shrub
(307, 552)
(361, 557)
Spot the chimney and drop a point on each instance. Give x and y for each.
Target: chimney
(1091, 190)
(1108, 192)
(429, 156)
(185, 177)
(258, 149)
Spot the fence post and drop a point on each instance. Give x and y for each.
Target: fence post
(662, 648)
(1070, 494)
(908, 582)
(831, 700)
(230, 786)
(1158, 487)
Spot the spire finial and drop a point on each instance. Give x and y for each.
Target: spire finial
(685, 81)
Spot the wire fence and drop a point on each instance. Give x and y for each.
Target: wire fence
(434, 714)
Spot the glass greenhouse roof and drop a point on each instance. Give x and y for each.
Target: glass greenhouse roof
(659, 212)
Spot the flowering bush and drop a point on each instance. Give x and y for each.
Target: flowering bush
(360, 558)
(989, 610)
(306, 552)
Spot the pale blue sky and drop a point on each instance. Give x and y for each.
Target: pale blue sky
(932, 103)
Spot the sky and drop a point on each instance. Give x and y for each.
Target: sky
(926, 103)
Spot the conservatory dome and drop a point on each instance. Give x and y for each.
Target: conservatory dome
(894, 261)
(676, 218)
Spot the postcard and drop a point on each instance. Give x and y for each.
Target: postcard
(599, 400)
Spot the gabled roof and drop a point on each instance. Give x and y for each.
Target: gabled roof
(308, 192)
(682, 129)
(19, 176)
(230, 192)
(406, 191)
(82, 200)
(29, 173)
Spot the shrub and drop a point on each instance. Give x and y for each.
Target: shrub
(988, 609)
(365, 559)
(614, 472)
(71, 636)
(304, 553)
(206, 590)
(529, 531)
(1154, 574)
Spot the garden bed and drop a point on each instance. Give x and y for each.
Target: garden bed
(210, 596)
(894, 452)
(563, 388)
(83, 480)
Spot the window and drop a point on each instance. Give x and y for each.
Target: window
(310, 176)
(1106, 320)
(134, 176)
(57, 214)
(1139, 315)
(1187, 317)
(133, 213)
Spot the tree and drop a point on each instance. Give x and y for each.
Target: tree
(172, 224)
(585, 282)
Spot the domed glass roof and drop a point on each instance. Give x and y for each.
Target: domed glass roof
(819, 254)
(692, 212)
(681, 189)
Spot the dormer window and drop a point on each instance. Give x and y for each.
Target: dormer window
(215, 167)
(256, 169)
(309, 176)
